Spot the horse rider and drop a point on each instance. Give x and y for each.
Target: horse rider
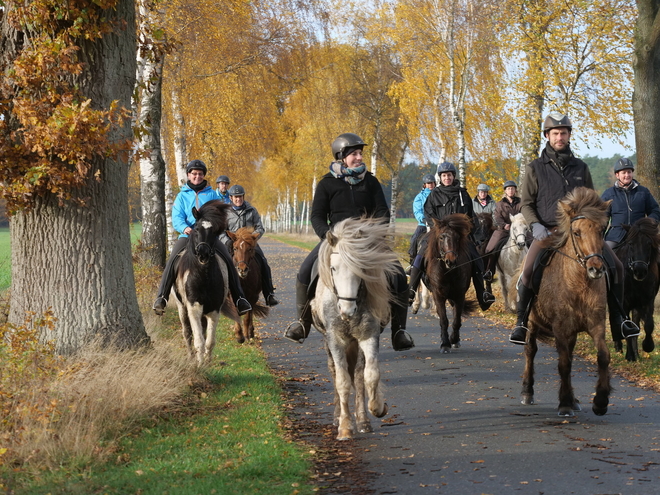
(630, 202)
(428, 183)
(221, 185)
(195, 193)
(347, 191)
(508, 206)
(547, 180)
(448, 198)
(243, 214)
(482, 203)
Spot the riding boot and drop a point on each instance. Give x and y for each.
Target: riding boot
(237, 295)
(267, 282)
(488, 273)
(621, 326)
(299, 329)
(415, 277)
(484, 297)
(167, 279)
(523, 307)
(401, 340)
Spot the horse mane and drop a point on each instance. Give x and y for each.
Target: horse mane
(245, 234)
(214, 212)
(647, 227)
(580, 201)
(365, 246)
(458, 222)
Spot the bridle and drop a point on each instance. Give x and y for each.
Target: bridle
(443, 253)
(581, 258)
(342, 298)
(211, 250)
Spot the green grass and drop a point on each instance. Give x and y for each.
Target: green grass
(229, 441)
(5, 259)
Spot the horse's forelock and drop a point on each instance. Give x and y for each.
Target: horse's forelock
(581, 201)
(246, 234)
(215, 212)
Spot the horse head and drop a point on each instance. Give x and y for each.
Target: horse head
(641, 242)
(450, 236)
(345, 283)
(244, 241)
(582, 220)
(518, 230)
(211, 219)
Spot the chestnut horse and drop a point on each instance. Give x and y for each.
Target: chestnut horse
(351, 306)
(449, 272)
(638, 251)
(572, 297)
(249, 272)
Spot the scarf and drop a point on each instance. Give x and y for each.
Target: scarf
(561, 158)
(447, 193)
(237, 208)
(350, 175)
(197, 187)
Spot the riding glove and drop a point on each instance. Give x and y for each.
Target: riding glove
(539, 231)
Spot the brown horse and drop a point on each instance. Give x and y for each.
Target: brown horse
(449, 270)
(244, 244)
(639, 254)
(484, 227)
(572, 297)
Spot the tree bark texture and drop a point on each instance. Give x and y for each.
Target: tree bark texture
(646, 95)
(76, 260)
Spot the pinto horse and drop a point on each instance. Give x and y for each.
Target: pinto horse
(244, 242)
(201, 286)
(448, 271)
(351, 306)
(572, 297)
(511, 256)
(638, 251)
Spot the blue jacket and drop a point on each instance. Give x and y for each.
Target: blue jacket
(628, 205)
(418, 205)
(225, 197)
(182, 216)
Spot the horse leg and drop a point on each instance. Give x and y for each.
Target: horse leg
(444, 325)
(211, 323)
(377, 405)
(238, 330)
(603, 387)
(343, 387)
(632, 349)
(456, 324)
(361, 417)
(197, 326)
(647, 344)
(567, 402)
(333, 375)
(186, 329)
(248, 323)
(527, 394)
(418, 300)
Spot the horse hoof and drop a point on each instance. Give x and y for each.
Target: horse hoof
(577, 407)
(599, 411)
(456, 345)
(648, 345)
(383, 412)
(365, 427)
(565, 412)
(445, 349)
(345, 434)
(618, 346)
(527, 400)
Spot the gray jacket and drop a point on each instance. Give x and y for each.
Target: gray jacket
(247, 216)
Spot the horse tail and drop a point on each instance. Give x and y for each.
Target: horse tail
(260, 311)
(470, 306)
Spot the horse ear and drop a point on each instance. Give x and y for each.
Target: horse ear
(231, 235)
(568, 209)
(330, 237)
(255, 235)
(195, 213)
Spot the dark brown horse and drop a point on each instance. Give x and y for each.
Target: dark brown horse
(639, 254)
(449, 269)
(484, 226)
(244, 244)
(572, 297)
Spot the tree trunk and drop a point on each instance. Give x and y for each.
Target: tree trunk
(646, 95)
(77, 260)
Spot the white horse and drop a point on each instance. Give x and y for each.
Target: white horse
(351, 306)
(423, 299)
(512, 255)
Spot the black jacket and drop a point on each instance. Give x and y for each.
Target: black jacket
(445, 200)
(336, 200)
(628, 205)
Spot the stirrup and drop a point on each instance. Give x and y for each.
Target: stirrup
(488, 276)
(159, 305)
(519, 335)
(243, 306)
(629, 329)
(402, 341)
(295, 332)
(271, 300)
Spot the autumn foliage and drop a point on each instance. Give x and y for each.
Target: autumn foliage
(49, 132)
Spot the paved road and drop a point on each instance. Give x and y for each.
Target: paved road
(456, 424)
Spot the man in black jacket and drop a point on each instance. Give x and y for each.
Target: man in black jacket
(347, 191)
(547, 180)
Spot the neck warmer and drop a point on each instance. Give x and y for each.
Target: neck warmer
(234, 207)
(350, 175)
(561, 158)
(197, 187)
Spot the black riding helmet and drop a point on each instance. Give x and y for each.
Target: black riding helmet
(446, 167)
(428, 178)
(236, 190)
(345, 144)
(555, 120)
(509, 183)
(196, 165)
(223, 178)
(623, 164)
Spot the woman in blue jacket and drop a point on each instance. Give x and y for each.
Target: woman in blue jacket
(630, 202)
(195, 193)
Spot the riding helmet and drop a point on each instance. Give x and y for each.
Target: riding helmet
(345, 144)
(428, 178)
(236, 190)
(555, 120)
(623, 164)
(446, 167)
(509, 183)
(223, 178)
(483, 187)
(196, 165)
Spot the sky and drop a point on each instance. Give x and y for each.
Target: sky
(606, 149)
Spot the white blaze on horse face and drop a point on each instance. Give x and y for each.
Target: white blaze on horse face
(206, 224)
(346, 285)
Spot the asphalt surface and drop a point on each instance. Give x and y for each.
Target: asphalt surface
(455, 423)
